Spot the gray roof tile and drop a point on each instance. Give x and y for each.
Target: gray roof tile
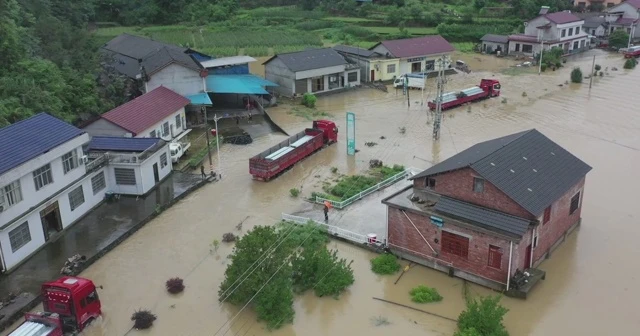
(355, 51)
(495, 38)
(310, 59)
(483, 217)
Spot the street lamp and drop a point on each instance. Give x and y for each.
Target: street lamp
(631, 32)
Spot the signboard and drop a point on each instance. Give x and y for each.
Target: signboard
(417, 59)
(437, 221)
(351, 133)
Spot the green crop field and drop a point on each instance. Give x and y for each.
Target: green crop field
(348, 19)
(413, 31)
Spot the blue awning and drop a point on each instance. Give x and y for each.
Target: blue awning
(200, 99)
(243, 84)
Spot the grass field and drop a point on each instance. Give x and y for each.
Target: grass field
(349, 19)
(412, 30)
(465, 47)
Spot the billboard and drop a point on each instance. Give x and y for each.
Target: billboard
(351, 133)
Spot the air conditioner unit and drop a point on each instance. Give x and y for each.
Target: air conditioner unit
(84, 159)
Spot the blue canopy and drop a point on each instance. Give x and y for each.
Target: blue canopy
(200, 99)
(243, 84)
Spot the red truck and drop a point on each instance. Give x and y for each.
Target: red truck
(284, 155)
(632, 52)
(70, 304)
(488, 88)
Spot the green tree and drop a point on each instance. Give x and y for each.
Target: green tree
(619, 39)
(11, 48)
(479, 4)
(483, 316)
(576, 75)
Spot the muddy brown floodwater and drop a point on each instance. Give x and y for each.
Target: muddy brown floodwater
(591, 286)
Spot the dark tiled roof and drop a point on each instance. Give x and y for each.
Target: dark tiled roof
(593, 22)
(355, 51)
(120, 144)
(527, 166)
(495, 38)
(483, 217)
(417, 46)
(32, 137)
(625, 21)
(136, 46)
(561, 17)
(165, 56)
(146, 110)
(310, 59)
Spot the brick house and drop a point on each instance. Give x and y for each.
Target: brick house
(499, 206)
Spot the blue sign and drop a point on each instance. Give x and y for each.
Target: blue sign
(351, 133)
(437, 221)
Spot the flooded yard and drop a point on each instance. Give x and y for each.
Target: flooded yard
(590, 288)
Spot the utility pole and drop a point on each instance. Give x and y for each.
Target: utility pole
(631, 32)
(207, 130)
(440, 89)
(407, 86)
(215, 118)
(540, 60)
(593, 65)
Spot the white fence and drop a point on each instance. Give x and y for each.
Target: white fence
(335, 231)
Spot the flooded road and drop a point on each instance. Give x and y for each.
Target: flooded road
(590, 287)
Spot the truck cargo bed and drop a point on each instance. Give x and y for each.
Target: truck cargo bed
(33, 329)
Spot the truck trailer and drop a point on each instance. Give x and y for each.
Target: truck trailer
(70, 304)
(284, 155)
(414, 81)
(488, 88)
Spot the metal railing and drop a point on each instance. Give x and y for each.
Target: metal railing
(96, 163)
(334, 230)
(343, 204)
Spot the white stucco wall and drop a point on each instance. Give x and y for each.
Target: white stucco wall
(320, 72)
(275, 71)
(405, 65)
(629, 12)
(143, 172)
(174, 130)
(102, 127)
(182, 80)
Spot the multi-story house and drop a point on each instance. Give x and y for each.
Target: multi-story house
(595, 4)
(624, 16)
(548, 30)
(45, 184)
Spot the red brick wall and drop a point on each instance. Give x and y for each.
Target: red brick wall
(402, 233)
(458, 184)
(560, 221)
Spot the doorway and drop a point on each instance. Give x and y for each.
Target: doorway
(527, 258)
(416, 67)
(51, 220)
(373, 75)
(156, 174)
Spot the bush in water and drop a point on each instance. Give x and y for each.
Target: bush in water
(309, 100)
(576, 75)
(385, 264)
(143, 319)
(424, 294)
(630, 63)
(175, 285)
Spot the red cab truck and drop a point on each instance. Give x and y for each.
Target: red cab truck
(284, 155)
(488, 88)
(70, 304)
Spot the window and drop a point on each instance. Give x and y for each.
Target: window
(527, 48)
(163, 160)
(352, 77)
(547, 215)
(98, 183)
(478, 184)
(593, 32)
(19, 237)
(577, 30)
(76, 198)
(70, 161)
(564, 33)
(455, 244)
(431, 183)
(570, 32)
(517, 46)
(152, 134)
(178, 121)
(92, 297)
(391, 68)
(165, 129)
(42, 176)
(575, 203)
(125, 176)
(495, 257)
(10, 194)
(575, 45)
(535, 238)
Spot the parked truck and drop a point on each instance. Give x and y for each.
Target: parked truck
(415, 81)
(179, 146)
(284, 155)
(632, 52)
(70, 304)
(488, 88)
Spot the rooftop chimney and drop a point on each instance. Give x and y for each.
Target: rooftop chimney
(544, 10)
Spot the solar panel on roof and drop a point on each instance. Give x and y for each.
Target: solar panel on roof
(301, 141)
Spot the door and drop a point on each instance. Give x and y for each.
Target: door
(527, 257)
(373, 75)
(51, 220)
(156, 175)
(416, 67)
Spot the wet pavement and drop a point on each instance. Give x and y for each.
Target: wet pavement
(590, 288)
(90, 235)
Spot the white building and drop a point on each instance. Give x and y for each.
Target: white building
(45, 184)
(560, 29)
(624, 16)
(418, 54)
(314, 70)
(157, 114)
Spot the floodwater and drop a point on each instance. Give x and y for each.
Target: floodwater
(590, 287)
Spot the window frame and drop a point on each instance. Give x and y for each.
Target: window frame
(431, 183)
(494, 257)
(355, 77)
(563, 33)
(475, 184)
(70, 161)
(528, 47)
(121, 182)
(572, 210)
(178, 121)
(42, 176)
(454, 244)
(16, 194)
(163, 160)
(546, 217)
(26, 237)
(76, 198)
(394, 68)
(100, 178)
(153, 134)
(165, 129)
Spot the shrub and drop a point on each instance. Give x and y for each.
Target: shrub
(597, 67)
(543, 67)
(309, 100)
(143, 319)
(311, 266)
(229, 237)
(576, 75)
(175, 285)
(294, 192)
(484, 315)
(334, 170)
(468, 332)
(630, 63)
(385, 264)
(424, 294)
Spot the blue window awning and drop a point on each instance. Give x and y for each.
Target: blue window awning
(242, 84)
(200, 99)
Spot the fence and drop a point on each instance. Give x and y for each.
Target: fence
(343, 204)
(335, 231)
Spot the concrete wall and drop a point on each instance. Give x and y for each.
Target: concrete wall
(599, 31)
(629, 12)
(320, 72)
(174, 130)
(381, 71)
(102, 127)
(143, 172)
(275, 71)
(491, 47)
(405, 65)
(182, 80)
(458, 184)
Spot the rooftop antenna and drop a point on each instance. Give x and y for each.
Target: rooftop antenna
(439, 93)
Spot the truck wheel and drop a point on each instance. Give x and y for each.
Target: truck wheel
(88, 323)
